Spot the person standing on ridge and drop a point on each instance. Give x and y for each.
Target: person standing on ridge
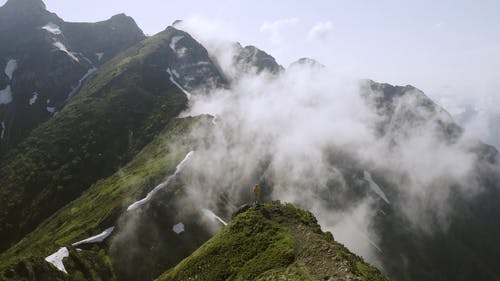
(256, 192)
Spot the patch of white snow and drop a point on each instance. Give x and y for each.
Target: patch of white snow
(175, 73)
(80, 82)
(213, 216)
(96, 238)
(99, 56)
(174, 41)
(51, 109)
(2, 124)
(33, 98)
(10, 68)
(63, 48)
(171, 74)
(374, 186)
(6, 95)
(178, 228)
(52, 28)
(57, 259)
(148, 197)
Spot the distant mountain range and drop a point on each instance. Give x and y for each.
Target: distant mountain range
(91, 132)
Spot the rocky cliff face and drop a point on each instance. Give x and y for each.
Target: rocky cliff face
(45, 60)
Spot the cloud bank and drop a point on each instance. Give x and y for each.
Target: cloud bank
(320, 31)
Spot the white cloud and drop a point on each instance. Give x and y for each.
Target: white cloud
(208, 31)
(320, 31)
(275, 28)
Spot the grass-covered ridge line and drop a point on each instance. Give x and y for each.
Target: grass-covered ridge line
(273, 241)
(100, 206)
(118, 111)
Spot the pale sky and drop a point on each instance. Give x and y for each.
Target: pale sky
(449, 48)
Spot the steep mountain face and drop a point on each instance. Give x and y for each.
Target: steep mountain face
(272, 242)
(467, 236)
(190, 64)
(142, 245)
(117, 112)
(404, 108)
(112, 158)
(250, 59)
(45, 60)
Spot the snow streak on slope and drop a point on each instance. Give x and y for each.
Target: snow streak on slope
(96, 238)
(57, 257)
(2, 133)
(374, 186)
(10, 68)
(33, 98)
(50, 109)
(213, 216)
(6, 95)
(63, 48)
(80, 82)
(171, 73)
(52, 28)
(162, 185)
(174, 41)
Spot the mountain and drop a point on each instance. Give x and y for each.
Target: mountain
(106, 202)
(306, 62)
(97, 180)
(272, 241)
(250, 59)
(45, 60)
(118, 111)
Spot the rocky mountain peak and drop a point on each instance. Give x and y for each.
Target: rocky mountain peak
(251, 57)
(25, 5)
(307, 62)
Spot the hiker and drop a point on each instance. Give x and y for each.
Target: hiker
(256, 192)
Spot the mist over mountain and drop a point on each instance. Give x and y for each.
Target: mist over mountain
(133, 157)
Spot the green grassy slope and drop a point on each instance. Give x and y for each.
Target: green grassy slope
(272, 242)
(101, 205)
(115, 114)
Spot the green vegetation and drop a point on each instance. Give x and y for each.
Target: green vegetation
(100, 206)
(81, 265)
(273, 241)
(115, 114)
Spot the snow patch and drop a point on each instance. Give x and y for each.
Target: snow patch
(174, 41)
(51, 109)
(80, 82)
(99, 56)
(52, 28)
(57, 258)
(33, 98)
(63, 48)
(10, 68)
(148, 197)
(374, 186)
(176, 74)
(6, 95)
(3, 130)
(171, 74)
(178, 228)
(96, 238)
(213, 216)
